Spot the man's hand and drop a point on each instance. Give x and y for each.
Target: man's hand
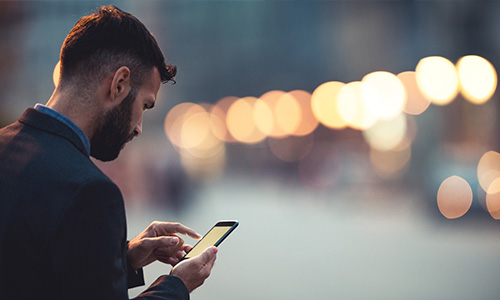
(195, 270)
(159, 241)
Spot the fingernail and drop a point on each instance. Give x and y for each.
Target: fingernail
(174, 241)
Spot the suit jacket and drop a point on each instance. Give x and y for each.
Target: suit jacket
(62, 221)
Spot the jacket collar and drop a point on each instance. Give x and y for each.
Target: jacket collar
(42, 121)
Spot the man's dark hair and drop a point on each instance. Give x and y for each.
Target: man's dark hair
(104, 41)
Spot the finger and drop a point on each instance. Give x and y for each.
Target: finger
(180, 228)
(187, 248)
(168, 260)
(179, 254)
(159, 242)
(170, 251)
(162, 254)
(166, 228)
(172, 261)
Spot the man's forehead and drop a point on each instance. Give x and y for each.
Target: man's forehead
(153, 82)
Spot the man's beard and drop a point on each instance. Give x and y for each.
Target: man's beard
(111, 137)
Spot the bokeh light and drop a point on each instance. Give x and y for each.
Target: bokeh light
(263, 117)
(271, 98)
(352, 108)
(377, 105)
(415, 103)
(488, 169)
(291, 148)
(324, 102)
(386, 135)
(454, 197)
(308, 121)
(437, 79)
(56, 73)
(478, 78)
(383, 94)
(288, 113)
(240, 121)
(493, 199)
(219, 110)
(218, 123)
(175, 120)
(194, 131)
(197, 135)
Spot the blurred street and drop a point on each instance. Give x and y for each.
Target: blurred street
(349, 244)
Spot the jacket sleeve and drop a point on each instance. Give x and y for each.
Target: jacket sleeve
(134, 278)
(88, 249)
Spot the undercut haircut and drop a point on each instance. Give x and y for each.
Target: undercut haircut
(106, 40)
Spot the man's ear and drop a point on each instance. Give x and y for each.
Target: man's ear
(120, 86)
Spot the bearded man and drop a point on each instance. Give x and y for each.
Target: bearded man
(62, 221)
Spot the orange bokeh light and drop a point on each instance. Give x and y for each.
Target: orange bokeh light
(352, 108)
(493, 199)
(488, 169)
(56, 73)
(454, 197)
(288, 113)
(240, 121)
(271, 98)
(416, 102)
(219, 110)
(308, 122)
(324, 103)
(175, 120)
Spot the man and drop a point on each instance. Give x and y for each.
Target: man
(62, 221)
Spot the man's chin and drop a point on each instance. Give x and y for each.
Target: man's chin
(105, 158)
(106, 155)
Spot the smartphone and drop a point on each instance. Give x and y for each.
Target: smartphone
(214, 237)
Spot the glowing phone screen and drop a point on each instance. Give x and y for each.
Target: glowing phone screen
(210, 239)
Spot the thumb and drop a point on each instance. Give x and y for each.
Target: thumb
(208, 256)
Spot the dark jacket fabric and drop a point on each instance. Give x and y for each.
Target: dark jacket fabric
(62, 221)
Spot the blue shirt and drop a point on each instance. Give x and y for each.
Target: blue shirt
(57, 115)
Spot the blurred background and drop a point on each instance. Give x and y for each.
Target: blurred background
(355, 141)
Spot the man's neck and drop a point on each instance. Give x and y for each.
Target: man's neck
(73, 109)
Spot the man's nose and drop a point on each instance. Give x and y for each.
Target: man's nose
(138, 128)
